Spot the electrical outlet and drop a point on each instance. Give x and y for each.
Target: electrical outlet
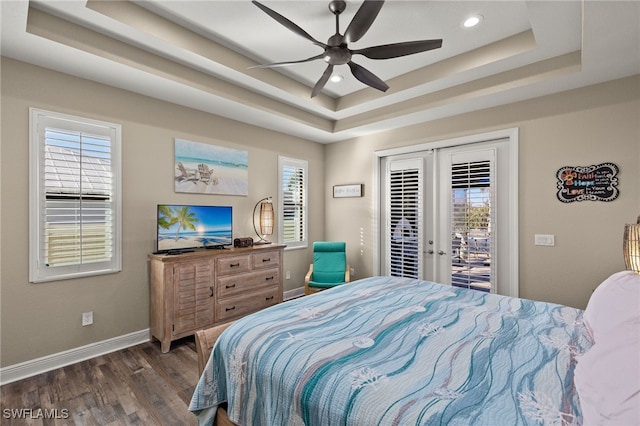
(288, 275)
(352, 272)
(87, 318)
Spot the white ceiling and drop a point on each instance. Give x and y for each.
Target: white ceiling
(198, 54)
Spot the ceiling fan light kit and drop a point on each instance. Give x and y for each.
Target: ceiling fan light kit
(336, 51)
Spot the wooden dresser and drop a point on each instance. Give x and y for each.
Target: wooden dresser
(197, 290)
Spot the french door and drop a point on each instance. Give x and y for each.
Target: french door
(446, 216)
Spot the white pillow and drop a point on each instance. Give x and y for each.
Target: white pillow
(613, 303)
(607, 377)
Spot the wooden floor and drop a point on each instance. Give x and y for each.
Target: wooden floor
(135, 386)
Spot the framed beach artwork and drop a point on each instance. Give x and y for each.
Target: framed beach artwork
(210, 169)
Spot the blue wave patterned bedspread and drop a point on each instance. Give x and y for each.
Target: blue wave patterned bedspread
(397, 351)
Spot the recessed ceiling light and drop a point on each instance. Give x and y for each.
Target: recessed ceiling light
(472, 21)
(336, 78)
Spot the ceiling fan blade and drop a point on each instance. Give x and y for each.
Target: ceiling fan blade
(395, 50)
(323, 80)
(367, 77)
(284, 64)
(362, 20)
(288, 24)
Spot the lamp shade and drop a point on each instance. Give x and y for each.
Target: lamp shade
(631, 246)
(266, 218)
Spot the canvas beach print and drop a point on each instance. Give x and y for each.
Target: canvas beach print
(210, 169)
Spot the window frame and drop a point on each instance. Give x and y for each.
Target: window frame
(39, 120)
(303, 165)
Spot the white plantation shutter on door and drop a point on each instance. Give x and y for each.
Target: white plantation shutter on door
(472, 213)
(75, 197)
(404, 222)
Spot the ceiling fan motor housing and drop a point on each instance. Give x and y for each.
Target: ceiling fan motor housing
(337, 6)
(337, 52)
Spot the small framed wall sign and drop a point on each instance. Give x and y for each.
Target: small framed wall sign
(348, 191)
(588, 183)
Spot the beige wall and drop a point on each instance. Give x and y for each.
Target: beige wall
(582, 127)
(42, 319)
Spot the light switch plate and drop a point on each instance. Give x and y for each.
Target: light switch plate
(545, 240)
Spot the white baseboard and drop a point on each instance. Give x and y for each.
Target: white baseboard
(36, 366)
(23, 370)
(293, 294)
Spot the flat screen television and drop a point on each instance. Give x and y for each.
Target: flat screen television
(183, 228)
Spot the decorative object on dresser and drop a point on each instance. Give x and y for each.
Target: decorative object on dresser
(631, 246)
(243, 242)
(192, 291)
(266, 219)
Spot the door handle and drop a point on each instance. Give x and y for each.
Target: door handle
(441, 252)
(429, 251)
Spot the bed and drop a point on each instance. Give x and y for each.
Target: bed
(397, 351)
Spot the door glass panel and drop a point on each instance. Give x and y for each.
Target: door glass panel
(471, 231)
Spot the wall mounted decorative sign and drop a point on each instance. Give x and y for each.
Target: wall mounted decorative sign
(346, 191)
(210, 169)
(588, 183)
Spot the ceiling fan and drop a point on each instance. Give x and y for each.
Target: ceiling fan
(336, 51)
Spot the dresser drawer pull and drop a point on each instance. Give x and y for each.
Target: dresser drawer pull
(230, 286)
(234, 265)
(269, 298)
(267, 259)
(211, 288)
(230, 309)
(269, 278)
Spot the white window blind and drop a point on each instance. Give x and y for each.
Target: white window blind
(75, 196)
(472, 189)
(293, 202)
(405, 218)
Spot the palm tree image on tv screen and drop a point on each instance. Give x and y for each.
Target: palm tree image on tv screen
(185, 228)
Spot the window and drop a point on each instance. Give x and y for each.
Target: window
(74, 223)
(293, 201)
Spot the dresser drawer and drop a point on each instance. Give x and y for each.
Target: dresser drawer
(239, 284)
(232, 264)
(265, 259)
(230, 308)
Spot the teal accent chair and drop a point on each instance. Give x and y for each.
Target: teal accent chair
(329, 267)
